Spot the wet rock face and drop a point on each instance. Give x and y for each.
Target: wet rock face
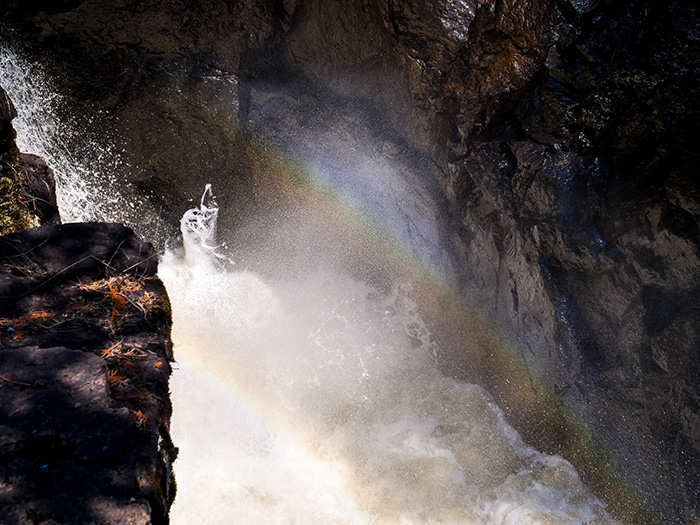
(84, 365)
(557, 138)
(40, 189)
(572, 196)
(27, 185)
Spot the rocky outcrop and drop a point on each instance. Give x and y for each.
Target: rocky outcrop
(557, 139)
(7, 113)
(84, 362)
(39, 187)
(84, 366)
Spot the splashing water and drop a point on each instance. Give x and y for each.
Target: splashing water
(199, 230)
(89, 172)
(318, 401)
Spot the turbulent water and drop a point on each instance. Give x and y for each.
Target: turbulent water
(317, 400)
(90, 182)
(313, 398)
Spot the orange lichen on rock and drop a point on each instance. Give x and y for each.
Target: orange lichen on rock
(141, 420)
(24, 319)
(123, 290)
(21, 323)
(113, 377)
(119, 301)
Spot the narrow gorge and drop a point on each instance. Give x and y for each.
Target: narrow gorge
(450, 250)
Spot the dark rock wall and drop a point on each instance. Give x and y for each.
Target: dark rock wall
(567, 196)
(84, 366)
(558, 138)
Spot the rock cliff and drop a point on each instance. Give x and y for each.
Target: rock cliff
(84, 366)
(557, 138)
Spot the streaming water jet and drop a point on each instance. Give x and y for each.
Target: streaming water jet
(90, 182)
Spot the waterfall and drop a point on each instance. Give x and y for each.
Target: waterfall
(89, 172)
(312, 397)
(317, 400)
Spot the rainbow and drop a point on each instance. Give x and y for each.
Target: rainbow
(473, 345)
(260, 418)
(464, 335)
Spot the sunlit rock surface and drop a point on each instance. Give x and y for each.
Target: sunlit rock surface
(558, 139)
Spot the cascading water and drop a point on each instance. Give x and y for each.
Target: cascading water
(315, 398)
(88, 169)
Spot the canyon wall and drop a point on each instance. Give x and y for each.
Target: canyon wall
(557, 137)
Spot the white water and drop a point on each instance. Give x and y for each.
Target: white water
(317, 401)
(313, 400)
(90, 175)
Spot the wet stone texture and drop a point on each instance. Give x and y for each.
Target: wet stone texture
(84, 366)
(581, 195)
(40, 189)
(558, 139)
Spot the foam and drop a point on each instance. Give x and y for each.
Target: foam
(317, 400)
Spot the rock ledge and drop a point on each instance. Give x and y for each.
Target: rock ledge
(84, 367)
